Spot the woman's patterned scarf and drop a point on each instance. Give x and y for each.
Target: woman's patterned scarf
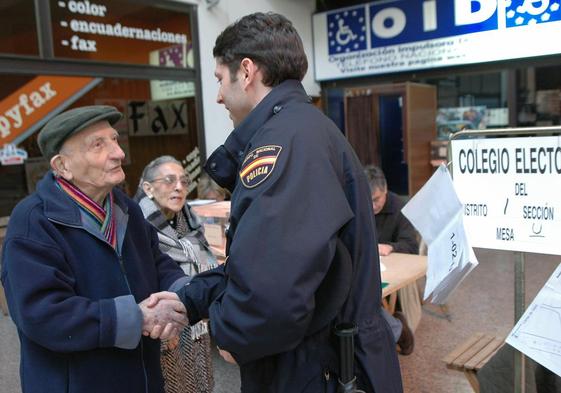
(186, 244)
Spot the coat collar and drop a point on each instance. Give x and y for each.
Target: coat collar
(390, 207)
(59, 207)
(282, 94)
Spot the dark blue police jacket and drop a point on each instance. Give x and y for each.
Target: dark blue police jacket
(298, 187)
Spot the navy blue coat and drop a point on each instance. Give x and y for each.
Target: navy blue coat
(61, 282)
(297, 187)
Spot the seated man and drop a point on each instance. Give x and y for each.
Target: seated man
(395, 233)
(78, 260)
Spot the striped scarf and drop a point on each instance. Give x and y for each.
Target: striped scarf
(102, 217)
(186, 244)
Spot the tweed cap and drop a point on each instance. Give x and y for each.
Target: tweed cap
(64, 125)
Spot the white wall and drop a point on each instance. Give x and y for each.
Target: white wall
(211, 23)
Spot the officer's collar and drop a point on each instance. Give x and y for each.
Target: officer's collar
(270, 105)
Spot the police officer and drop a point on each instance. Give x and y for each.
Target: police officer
(300, 209)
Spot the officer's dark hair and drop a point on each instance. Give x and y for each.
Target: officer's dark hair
(376, 178)
(270, 40)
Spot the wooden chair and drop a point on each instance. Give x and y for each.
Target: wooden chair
(471, 355)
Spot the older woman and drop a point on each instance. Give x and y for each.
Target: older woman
(162, 197)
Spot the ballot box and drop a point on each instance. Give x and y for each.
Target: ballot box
(215, 217)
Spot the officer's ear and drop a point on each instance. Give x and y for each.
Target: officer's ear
(249, 71)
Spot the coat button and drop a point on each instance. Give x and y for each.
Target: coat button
(240, 154)
(213, 166)
(277, 109)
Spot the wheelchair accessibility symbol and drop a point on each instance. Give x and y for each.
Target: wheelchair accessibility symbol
(344, 34)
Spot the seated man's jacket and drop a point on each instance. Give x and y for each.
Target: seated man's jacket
(394, 228)
(73, 297)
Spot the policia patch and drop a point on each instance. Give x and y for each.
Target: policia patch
(258, 165)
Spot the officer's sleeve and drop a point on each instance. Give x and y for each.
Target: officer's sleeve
(281, 250)
(43, 304)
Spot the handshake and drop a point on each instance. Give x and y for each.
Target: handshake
(164, 316)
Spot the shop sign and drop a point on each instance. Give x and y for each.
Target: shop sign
(29, 107)
(154, 118)
(192, 164)
(403, 35)
(11, 155)
(118, 30)
(510, 191)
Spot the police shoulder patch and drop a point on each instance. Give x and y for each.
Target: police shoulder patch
(258, 165)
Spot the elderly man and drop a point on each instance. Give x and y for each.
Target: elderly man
(78, 260)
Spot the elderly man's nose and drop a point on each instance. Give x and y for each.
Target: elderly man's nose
(117, 152)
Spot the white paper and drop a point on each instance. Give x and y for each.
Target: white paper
(538, 333)
(437, 214)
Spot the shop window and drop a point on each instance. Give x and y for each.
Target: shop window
(122, 31)
(18, 32)
(470, 101)
(539, 96)
(160, 117)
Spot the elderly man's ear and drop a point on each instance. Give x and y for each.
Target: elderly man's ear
(59, 165)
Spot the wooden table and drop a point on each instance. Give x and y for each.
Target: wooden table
(401, 270)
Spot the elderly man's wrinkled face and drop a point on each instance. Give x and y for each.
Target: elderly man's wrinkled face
(169, 188)
(93, 159)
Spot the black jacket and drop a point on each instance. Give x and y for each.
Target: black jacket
(297, 188)
(394, 229)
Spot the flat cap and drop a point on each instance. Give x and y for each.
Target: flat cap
(64, 125)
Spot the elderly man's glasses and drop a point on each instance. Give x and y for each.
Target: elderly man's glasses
(171, 180)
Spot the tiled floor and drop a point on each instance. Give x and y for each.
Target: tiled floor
(482, 303)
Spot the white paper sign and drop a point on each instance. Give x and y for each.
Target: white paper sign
(510, 190)
(537, 333)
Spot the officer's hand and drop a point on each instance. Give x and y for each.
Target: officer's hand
(227, 356)
(385, 249)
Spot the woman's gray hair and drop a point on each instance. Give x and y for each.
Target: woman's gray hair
(150, 171)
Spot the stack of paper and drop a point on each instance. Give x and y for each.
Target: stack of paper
(537, 333)
(437, 213)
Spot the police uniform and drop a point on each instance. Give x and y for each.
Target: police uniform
(298, 190)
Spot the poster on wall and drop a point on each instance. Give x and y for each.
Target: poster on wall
(403, 35)
(454, 119)
(177, 56)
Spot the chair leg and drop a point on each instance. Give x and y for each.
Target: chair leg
(472, 379)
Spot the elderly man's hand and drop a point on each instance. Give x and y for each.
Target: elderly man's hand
(164, 315)
(385, 249)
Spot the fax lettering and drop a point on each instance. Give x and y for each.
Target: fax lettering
(505, 234)
(27, 104)
(82, 45)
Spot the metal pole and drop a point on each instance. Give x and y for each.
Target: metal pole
(519, 307)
